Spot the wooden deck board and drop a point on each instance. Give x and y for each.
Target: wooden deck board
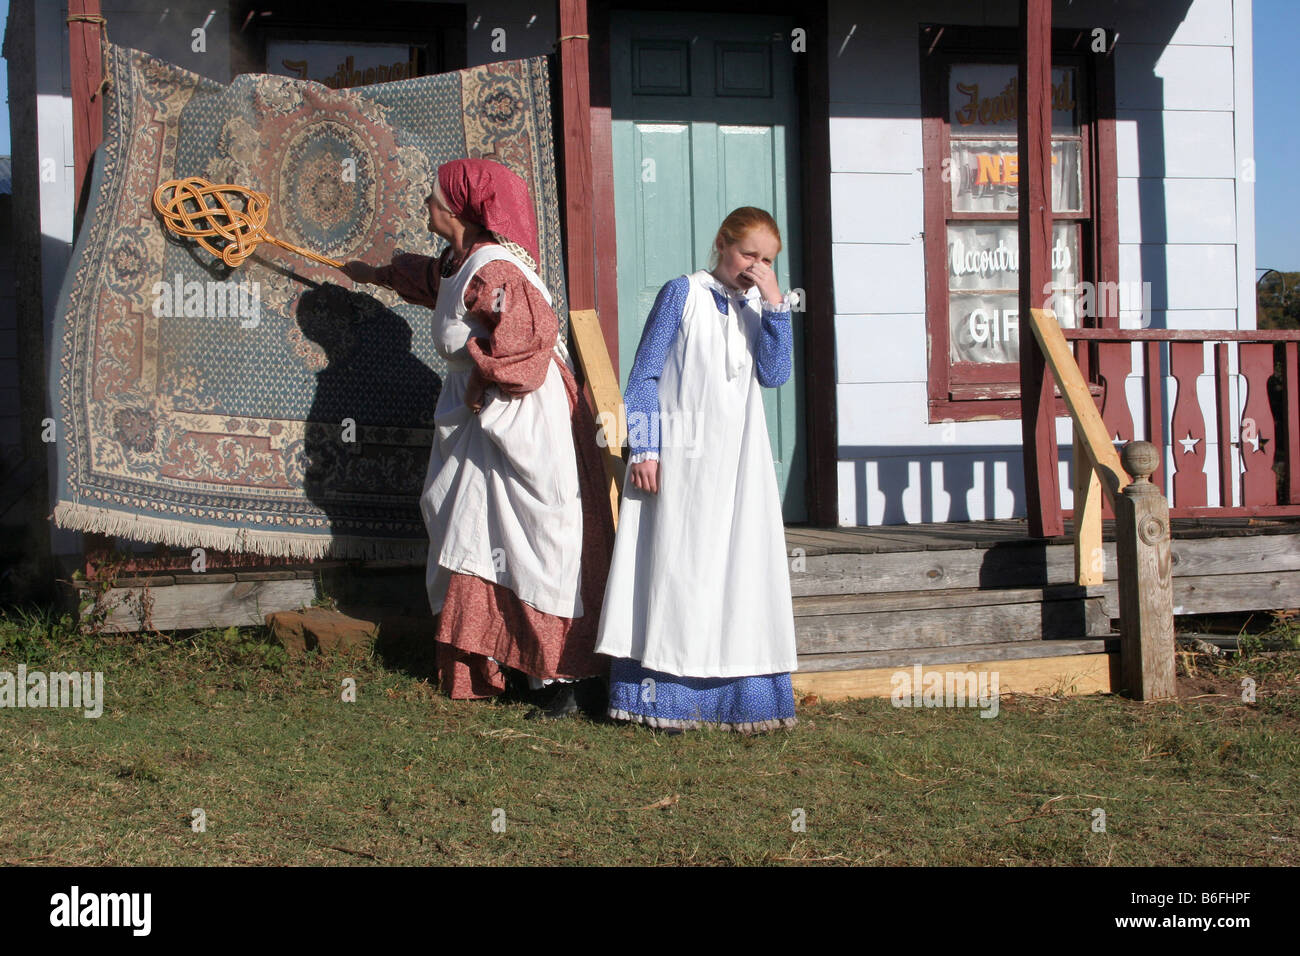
(1077, 673)
(955, 654)
(1222, 593)
(858, 603)
(956, 535)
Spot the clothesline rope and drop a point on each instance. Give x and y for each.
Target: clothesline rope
(570, 36)
(103, 45)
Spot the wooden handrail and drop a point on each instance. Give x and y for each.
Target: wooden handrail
(1181, 335)
(1088, 425)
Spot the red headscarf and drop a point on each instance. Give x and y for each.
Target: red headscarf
(492, 196)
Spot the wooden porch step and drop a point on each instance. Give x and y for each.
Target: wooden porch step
(1220, 593)
(1020, 563)
(945, 618)
(1037, 667)
(963, 654)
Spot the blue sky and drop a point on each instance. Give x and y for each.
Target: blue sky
(1277, 135)
(1277, 138)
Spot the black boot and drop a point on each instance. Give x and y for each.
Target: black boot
(560, 701)
(593, 697)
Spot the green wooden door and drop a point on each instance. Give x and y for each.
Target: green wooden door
(704, 120)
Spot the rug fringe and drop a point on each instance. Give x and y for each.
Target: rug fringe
(182, 534)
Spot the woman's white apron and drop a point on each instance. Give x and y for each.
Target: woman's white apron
(699, 585)
(501, 497)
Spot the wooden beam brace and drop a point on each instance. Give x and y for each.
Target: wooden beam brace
(611, 416)
(1088, 424)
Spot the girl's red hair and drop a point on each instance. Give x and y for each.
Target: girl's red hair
(737, 226)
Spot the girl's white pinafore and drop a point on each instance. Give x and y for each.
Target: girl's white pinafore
(698, 585)
(501, 497)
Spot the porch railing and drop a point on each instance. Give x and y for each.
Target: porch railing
(1232, 436)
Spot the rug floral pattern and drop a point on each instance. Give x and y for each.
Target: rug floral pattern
(299, 428)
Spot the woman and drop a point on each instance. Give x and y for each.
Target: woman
(519, 534)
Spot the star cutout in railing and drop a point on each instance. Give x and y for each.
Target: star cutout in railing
(1188, 443)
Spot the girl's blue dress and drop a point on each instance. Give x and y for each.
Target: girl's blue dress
(742, 704)
(749, 704)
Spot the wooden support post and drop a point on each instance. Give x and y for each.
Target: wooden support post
(1034, 139)
(1291, 379)
(86, 75)
(575, 153)
(579, 237)
(86, 68)
(1089, 555)
(1146, 595)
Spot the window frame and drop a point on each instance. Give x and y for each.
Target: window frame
(966, 391)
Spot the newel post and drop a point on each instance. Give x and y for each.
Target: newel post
(1146, 596)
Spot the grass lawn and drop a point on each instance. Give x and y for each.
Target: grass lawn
(287, 772)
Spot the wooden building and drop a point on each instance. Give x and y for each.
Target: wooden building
(926, 501)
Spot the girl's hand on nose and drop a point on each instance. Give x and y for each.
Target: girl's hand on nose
(762, 276)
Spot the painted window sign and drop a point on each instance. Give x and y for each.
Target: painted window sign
(983, 256)
(341, 65)
(983, 283)
(986, 176)
(982, 100)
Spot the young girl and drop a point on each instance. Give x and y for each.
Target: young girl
(519, 539)
(697, 609)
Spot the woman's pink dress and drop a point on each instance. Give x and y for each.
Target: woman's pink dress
(484, 625)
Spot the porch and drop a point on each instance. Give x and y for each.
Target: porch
(868, 601)
(981, 594)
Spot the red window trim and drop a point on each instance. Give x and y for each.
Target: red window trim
(990, 393)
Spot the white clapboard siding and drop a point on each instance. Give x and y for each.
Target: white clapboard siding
(876, 144)
(879, 277)
(1192, 277)
(1206, 23)
(1177, 211)
(896, 201)
(895, 414)
(1202, 143)
(880, 348)
(1174, 78)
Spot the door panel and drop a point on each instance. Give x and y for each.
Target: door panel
(704, 115)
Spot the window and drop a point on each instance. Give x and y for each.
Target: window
(969, 83)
